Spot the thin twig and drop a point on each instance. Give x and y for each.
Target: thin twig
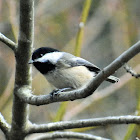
(85, 90)
(8, 42)
(4, 126)
(80, 34)
(131, 71)
(54, 135)
(55, 126)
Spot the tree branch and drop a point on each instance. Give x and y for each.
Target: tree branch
(54, 135)
(23, 70)
(55, 126)
(4, 126)
(8, 42)
(132, 72)
(87, 89)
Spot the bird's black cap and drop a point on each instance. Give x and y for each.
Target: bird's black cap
(42, 51)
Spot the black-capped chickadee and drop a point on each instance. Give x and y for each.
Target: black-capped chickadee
(64, 70)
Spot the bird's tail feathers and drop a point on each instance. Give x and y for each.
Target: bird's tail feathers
(112, 79)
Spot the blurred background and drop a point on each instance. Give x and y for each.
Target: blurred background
(111, 27)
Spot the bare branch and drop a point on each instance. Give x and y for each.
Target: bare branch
(98, 95)
(4, 126)
(55, 126)
(87, 89)
(131, 71)
(8, 42)
(54, 135)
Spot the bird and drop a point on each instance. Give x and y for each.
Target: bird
(63, 70)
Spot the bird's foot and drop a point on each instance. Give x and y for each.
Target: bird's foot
(56, 91)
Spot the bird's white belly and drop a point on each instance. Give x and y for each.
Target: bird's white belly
(74, 77)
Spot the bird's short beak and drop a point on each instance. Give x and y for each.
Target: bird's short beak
(31, 62)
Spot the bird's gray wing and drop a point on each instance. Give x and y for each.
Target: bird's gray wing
(73, 61)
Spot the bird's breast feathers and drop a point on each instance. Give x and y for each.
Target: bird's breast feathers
(73, 77)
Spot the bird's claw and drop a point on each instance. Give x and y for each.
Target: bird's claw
(56, 91)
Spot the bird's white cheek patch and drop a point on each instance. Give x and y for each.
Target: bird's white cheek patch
(52, 57)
